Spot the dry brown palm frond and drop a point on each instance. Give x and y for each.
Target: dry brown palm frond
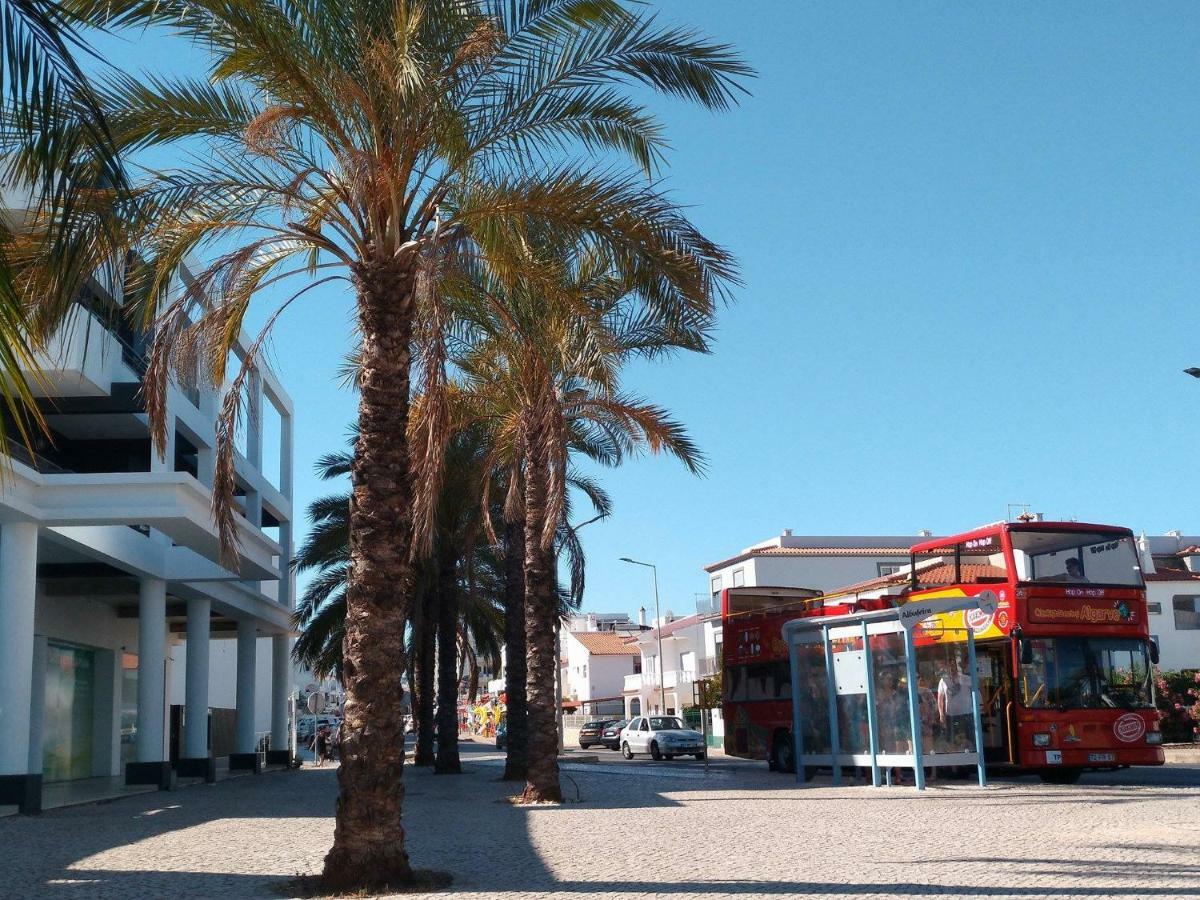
(481, 44)
(267, 132)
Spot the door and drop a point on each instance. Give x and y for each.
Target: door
(995, 690)
(68, 712)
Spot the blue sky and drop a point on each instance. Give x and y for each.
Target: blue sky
(968, 237)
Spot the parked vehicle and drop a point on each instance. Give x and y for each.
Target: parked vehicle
(663, 737)
(591, 732)
(610, 737)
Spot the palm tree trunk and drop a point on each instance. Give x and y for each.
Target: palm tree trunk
(368, 841)
(516, 763)
(425, 635)
(541, 779)
(447, 762)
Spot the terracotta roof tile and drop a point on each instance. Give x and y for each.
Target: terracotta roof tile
(932, 575)
(1172, 575)
(606, 643)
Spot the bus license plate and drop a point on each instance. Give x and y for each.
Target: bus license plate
(1102, 757)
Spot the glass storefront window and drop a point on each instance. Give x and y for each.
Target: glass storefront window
(68, 713)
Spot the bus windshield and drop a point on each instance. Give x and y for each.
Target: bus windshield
(1076, 557)
(1087, 673)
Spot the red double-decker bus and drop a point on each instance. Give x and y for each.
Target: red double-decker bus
(1064, 661)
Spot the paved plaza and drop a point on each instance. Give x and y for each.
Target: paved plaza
(646, 830)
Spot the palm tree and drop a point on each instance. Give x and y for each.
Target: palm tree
(384, 142)
(57, 156)
(548, 375)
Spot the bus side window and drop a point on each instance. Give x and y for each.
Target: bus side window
(735, 685)
(783, 680)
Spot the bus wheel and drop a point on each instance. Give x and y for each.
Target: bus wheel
(782, 754)
(1060, 776)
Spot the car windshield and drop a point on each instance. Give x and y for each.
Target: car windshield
(1076, 557)
(664, 723)
(1087, 673)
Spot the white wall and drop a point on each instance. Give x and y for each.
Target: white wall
(94, 624)
(222, 677)
(1177, 649)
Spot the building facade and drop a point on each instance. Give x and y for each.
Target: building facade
(109, 562)
(667, 683)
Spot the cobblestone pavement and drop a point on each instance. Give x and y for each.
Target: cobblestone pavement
(654, 830)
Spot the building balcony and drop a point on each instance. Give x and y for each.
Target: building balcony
(633, 683)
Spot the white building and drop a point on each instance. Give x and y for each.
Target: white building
(109, 559)
(825, 562)
(597, 663)
(667, 684)
(1171, 566)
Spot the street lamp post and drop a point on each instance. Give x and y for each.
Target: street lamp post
(662, 688)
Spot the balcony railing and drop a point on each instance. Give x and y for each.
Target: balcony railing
(633, 682)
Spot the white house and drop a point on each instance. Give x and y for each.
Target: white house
(109, 559)
(1171, 566)
(667, 683)
(597, 663)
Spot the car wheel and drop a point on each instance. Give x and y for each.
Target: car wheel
(583, 746)
(668, 755)
(625, 751)
(701, 755)
(654, 751)
(783, 755)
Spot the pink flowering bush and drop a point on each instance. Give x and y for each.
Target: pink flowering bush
(1178, 697)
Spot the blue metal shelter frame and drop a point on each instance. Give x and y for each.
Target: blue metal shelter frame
(802, 633)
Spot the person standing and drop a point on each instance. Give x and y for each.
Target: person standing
(320, 745)
(956, 708)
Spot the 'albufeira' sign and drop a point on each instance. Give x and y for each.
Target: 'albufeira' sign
(912, 614)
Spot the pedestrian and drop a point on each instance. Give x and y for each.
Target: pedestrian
(320, 745)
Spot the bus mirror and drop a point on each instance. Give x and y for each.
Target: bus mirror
(1153, 652)
(1026, 652)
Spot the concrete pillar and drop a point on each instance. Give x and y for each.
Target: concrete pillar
(195, 731)
(247, 643)
(18, 598)
(152, 661)
(254, 419)
(286, 595)
(281, 690)
(166, 462)
(206, 465)
(285, 455)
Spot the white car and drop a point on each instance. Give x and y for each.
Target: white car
(663, 737)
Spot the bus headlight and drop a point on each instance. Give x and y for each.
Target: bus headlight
(1153, 737)
(1041, 739)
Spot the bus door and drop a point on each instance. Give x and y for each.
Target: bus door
(995, 691)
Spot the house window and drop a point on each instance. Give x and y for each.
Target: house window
(716, 585)
(739, 577)
(637, 665)
(1154, 609)
(1187, 614)
(888, 568)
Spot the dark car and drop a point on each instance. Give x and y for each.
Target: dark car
(590, 733)
(501, 734)
(610, 737)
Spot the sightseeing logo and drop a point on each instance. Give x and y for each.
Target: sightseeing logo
(1129, 727)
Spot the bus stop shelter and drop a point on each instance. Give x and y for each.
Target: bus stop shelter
(855, 694)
